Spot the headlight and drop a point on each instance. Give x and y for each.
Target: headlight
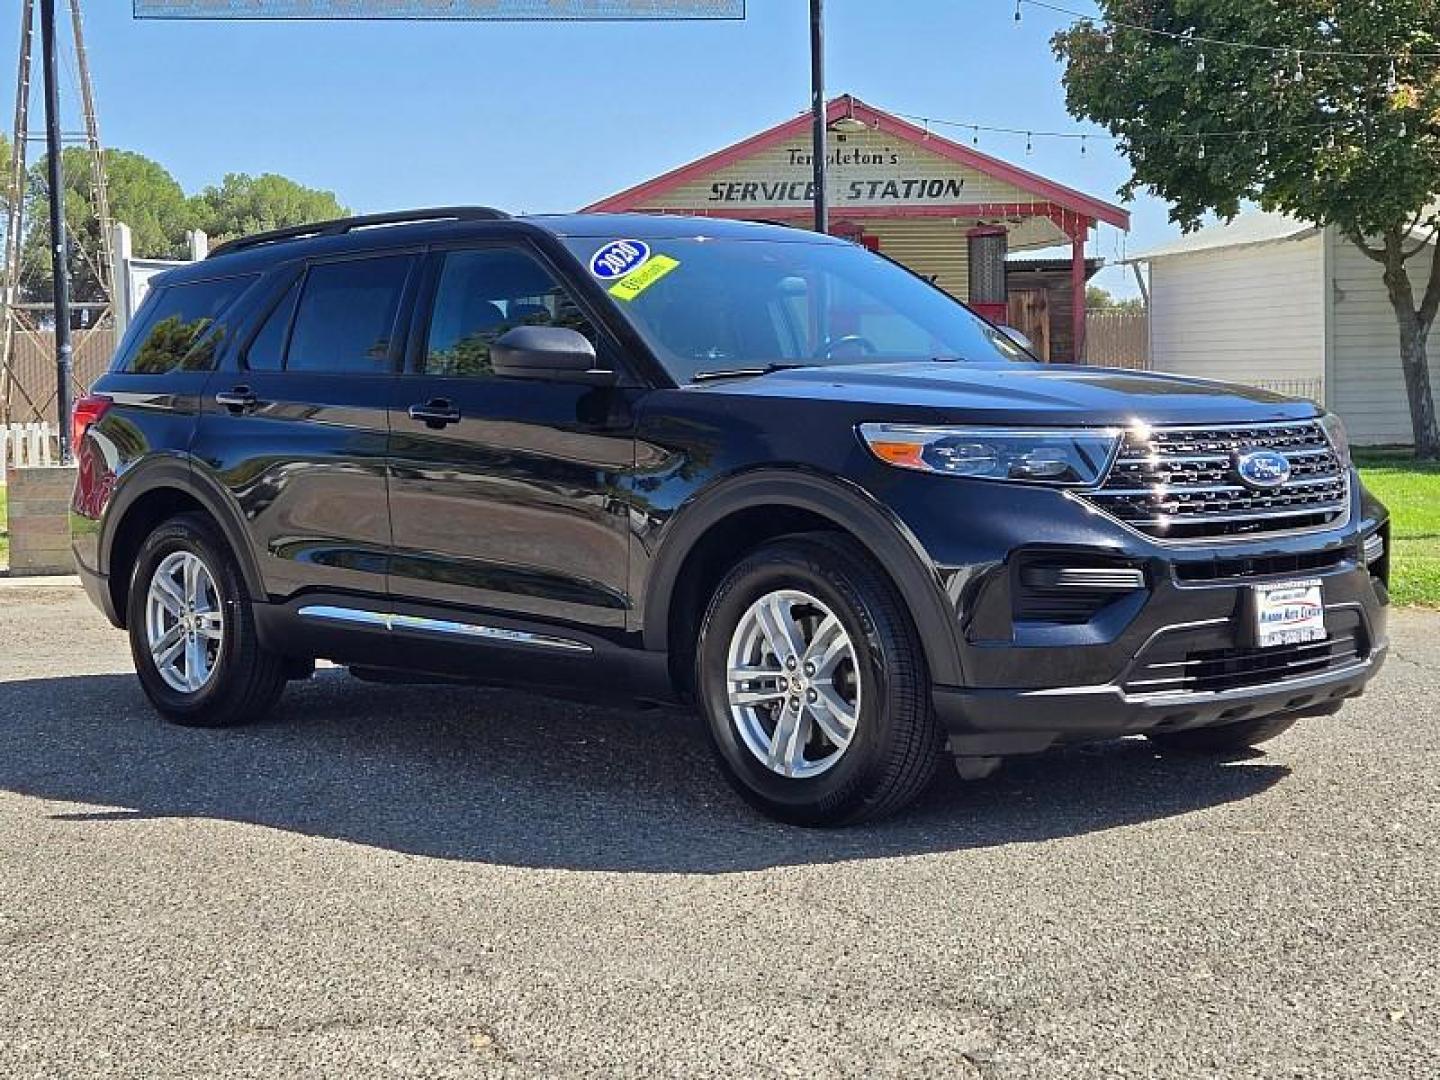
(1338, 436)
(1069, 457)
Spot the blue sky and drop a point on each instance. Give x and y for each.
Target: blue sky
(540, 117)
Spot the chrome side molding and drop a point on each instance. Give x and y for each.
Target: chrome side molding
(392, 622)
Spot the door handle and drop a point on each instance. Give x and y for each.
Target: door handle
(436, 413)
(237, 400)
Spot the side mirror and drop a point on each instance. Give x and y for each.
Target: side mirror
(547, 354)
(1019, 339)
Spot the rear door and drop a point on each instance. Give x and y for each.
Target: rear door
(507, 495)
(297, 431)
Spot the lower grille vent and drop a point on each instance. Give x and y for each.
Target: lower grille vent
(1214, 670)
(1260, 566)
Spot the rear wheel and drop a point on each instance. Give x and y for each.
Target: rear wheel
(814, 685)
(192, 634)
(1227, 738)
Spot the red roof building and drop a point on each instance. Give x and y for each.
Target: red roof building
(943, 209)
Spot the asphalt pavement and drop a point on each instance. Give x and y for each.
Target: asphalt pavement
(388, 881)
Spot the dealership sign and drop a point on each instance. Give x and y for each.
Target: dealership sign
(497, 10)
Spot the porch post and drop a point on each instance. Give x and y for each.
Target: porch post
(1077, 287)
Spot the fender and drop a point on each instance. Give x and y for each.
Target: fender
(179, 473)
(888, 540)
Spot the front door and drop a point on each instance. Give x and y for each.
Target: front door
(506, 495)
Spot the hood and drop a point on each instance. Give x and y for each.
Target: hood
(1024, 393)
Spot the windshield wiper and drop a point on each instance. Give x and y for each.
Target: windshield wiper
(744, 373)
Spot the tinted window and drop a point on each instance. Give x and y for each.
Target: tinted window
(267, 351)
(481, 295)
(183, 328)
(346, 317)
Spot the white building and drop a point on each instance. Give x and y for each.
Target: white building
(1274, 302)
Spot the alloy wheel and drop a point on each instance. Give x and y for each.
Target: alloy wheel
(184, 623)
(793, 684)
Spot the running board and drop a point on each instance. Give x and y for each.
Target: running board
(414, 623)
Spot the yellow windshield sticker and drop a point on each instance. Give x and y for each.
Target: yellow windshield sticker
(640, 279)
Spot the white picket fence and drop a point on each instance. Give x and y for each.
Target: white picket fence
(27, 444)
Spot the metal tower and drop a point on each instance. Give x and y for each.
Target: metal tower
(23, 319)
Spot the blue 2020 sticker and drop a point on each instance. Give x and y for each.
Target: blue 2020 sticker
(617, 259)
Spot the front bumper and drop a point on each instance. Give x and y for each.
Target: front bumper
(1175, 654)
(993, 723)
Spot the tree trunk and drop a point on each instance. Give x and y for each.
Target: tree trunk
(1415, 325)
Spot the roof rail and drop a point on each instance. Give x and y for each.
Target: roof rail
(341, 226)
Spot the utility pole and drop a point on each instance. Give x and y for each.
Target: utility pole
(22, 319)
(820, 151)
(59, 247)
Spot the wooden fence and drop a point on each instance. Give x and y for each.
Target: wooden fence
(26, 444)
(1118, 339)
(32, 371)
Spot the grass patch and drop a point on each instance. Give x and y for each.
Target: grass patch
(1411, 490)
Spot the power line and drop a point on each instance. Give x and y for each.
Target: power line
(1189, 38)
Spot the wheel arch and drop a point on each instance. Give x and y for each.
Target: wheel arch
(691, 559)
(154, 492)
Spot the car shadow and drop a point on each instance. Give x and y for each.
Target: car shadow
(507, 778)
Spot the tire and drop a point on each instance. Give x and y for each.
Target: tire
(242, 681)
(1225, 739)
(894, 741)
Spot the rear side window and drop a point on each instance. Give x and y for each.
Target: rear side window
(267, 350)
(183, 328)
(346, 317)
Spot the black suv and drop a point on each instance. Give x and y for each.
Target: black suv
(747, 467)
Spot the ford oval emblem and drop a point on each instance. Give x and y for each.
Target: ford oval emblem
(1263, 468)
(615, 260)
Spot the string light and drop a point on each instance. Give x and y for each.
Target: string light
(1031, 134)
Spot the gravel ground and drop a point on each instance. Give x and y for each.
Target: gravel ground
(446, 882)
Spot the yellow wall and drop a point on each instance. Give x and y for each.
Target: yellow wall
(935, 248)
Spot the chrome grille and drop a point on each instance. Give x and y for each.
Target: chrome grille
(1179, 483)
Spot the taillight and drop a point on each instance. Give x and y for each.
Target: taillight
(88, 410)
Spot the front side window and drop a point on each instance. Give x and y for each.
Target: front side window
(346, 318)
(183, 328)
(709, 306)
(483, 294)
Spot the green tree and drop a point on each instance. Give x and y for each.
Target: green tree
(142, 194)
(1334, 138)
(1098, 299)
(246, 204)
(5, 149)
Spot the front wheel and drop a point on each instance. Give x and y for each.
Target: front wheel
(192, 634)
(814, 684)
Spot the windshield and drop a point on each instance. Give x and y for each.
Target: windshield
(714, 307)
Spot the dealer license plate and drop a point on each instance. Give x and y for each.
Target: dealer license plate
(1290, 613)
